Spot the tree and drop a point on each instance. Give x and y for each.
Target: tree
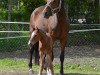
(30, 5)
(9, 9)
(97, 11)
(76, 9)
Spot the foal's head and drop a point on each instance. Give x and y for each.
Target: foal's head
(34, 38)
(36, 35)
(52, 6)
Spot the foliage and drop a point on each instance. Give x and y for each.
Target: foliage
(30, 5)
(88, 9)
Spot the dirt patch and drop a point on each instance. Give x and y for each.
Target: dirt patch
(70, 52)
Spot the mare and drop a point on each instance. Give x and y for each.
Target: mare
(45, 49)
(51, 19)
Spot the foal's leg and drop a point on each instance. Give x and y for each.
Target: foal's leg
(49, 62)
(41, 62)
(63, 44)
(44, 60)
(30, 61)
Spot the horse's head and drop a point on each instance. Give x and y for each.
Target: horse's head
(34, 38)
(52, 7)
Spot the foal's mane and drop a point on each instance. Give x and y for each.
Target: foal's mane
(42, 33)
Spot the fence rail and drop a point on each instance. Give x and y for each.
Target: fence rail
(71, 31)
(13, 31)
(27, 23)
(14, 37)
(15, 23)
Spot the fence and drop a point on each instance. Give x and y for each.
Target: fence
(15, 35)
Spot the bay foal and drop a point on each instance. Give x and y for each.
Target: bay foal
(45, 47)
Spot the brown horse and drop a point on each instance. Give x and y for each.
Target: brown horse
(51, 19)
(45, 47)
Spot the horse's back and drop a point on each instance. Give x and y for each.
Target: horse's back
(34, 16)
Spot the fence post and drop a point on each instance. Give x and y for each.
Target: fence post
(9, 19)
(99, 11)
(9, 9)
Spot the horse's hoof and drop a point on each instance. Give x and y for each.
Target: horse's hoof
(30, 72)
(45, 68)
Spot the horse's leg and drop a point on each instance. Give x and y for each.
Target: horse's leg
(52, 56)
(49, 62)
(36, 48)
(63, 44)
(30, 61)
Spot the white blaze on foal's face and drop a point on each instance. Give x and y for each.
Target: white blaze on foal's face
(33, 34)
(34, 38)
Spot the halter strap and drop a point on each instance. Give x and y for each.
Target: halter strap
(57, 8)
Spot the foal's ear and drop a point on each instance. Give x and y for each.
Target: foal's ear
(33, 29)
(37, 28)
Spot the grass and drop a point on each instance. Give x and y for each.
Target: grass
(8, 64)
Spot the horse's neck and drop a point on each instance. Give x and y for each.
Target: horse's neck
(62, 10)
(61, 14)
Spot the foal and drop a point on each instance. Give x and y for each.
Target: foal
(45, 47)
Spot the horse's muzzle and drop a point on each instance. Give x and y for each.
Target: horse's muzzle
(30, 45)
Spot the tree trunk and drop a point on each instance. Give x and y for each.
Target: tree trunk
(9, 9)
(97, 9)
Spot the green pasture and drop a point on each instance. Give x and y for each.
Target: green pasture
(22, 65)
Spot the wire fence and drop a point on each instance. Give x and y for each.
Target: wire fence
(15, 35)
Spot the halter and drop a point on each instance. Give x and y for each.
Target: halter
(53, 9)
